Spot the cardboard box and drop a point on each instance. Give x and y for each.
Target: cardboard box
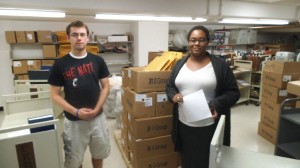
(44, 36)
(148, 81)
(144, 148)
(10, 37)
(293, 87)
(150, 127)
(117, 38)
(126, 76)
(31, 36)
(20, 67)
(126, 153)
(267, 132)
(163, 105)
(162, 161)
(140, 105)
(282, 67)
(269, 106)
(47, 62)
(153, 54)
(269, 119)
(34, 64)
(297, 104)
(20, 35)
(274, 94)
(49, 51)
(279, 80)
(125, 117)
(22, 77)
(124, 136)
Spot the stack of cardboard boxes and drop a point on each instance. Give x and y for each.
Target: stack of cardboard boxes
(147, 119)
(275, 77)
(22, 66)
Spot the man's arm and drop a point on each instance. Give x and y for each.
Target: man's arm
(103, 95)
(55, 92)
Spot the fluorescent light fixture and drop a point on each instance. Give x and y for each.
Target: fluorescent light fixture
(147, 18)
(31, 13)
(254, 21)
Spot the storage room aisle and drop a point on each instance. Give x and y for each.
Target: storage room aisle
(244, 135)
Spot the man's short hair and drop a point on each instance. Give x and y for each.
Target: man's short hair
(76, 23)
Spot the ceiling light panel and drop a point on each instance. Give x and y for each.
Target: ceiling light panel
(31, 13)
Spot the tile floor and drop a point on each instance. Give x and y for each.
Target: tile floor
(244, 135)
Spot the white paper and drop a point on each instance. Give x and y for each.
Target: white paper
(195, 107)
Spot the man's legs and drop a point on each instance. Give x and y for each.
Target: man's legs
(97, 163)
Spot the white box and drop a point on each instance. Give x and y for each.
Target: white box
(117, 38)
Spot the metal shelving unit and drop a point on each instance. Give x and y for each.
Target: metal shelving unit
(243, 72)
(288, 134)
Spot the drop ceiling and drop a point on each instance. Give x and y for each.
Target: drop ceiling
(213, 10)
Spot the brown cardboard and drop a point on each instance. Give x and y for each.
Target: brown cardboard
(279, 80)
(282, 67)
(273, 107)
(293, 87)
(163, 105)
(126, 153)
(126, 75)
(162, 161)
(34, 64)
(31, 36)
(267, 132)
(297, 104)
(148, 81)
(49, 51)
(140, 105)
(269, 106)
(124, 136)
(10, 37)
(20, 35)
(150, 127)
(125, 117)
(270, 119)
(153, 54)
(47, 62)
(143, 148)
(274, 94)
(20, 67)
(22, 77)
(44, 36)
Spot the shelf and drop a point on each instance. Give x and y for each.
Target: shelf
(115, 53)
(243, 100)
(220, 45)
(118, 42)
(257, 86)
(294, 117)
(254, 99)
(257, 72)
(291, 148)
(118, 63)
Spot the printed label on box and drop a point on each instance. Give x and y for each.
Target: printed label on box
(287, 78)
(17, 64)
(162, 98)
(140, 97)
(30, 62)
(148, 102)
(282, 92)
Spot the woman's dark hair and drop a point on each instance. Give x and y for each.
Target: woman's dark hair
(77, 23)
(199, 27)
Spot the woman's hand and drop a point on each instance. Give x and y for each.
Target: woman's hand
(214, 113)
(178, 98)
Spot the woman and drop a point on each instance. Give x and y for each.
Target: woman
(199, 70)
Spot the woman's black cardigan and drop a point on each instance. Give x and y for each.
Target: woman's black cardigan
(227, 94)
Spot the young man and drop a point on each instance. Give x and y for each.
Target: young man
(80, 74)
